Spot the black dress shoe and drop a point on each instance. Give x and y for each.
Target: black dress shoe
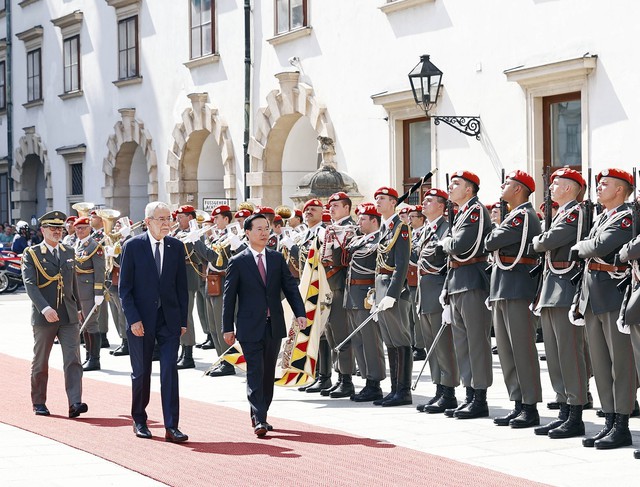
(174, 435)
(419, 354)
(225, 368)
(269, 427)
(77, 409)
(141, 430)
(121, 350)
(260, 430)
(636, 454)
(553, 405)
(41, 410)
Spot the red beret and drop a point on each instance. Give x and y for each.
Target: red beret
(314, 202)
(367, 209)
(340, 195)
(174, 214)
(615, 173)
(94, 213)
(569, 173)
(404, 210)
(417, 208)
(326, 217)
(242, 214)
(71, 219)
(81, 221)
(468, 175)
(523, 178)
(385, 190)
(264, 210)
(554, 205)
(437, 192)
(297, 212)
(491, 206)
(185, 209)
(220, 209)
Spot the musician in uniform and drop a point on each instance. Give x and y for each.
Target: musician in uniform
(392, 297)
(217, 258)
(296, 218)
(512, 291)
(50, 282)
(432, 262)
(416, 221)
(599, 302)
(115, 304)
(70, 238)
(467, 289)
(564, 343)
(90, 274)
(184, 215)
(98, 233)
(298, 251)
(367, 344)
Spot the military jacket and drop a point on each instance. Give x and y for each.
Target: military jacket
(471, 226)
(193, 263)
(599, 287)
(510, 242)
(566, 229)
(362, 252)
(89, 269)
(392, 260)
(335, 258)
(51, 282)
(216, 255)
(431, 262)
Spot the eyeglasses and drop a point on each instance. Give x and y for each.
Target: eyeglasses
(162, 219)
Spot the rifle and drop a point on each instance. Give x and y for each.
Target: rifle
(503, 203)
(635, 214)
(587, 207)
(417, 185)
(547, 219)
(450, 218)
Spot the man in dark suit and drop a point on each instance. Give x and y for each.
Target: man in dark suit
(255, 278)
(153, 290)
(50, 282)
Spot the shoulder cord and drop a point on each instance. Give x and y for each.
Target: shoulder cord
(476, 245)
(547, 254)
(608, 223)
(385, 249)
(193, 266)
(523, 241)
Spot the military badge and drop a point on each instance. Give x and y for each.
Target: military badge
(571, 217)
(516, 222)
(474, 216)
(404, 234)
(391, 225)
(626, 222)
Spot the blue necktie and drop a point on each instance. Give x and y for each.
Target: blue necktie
(157, 257)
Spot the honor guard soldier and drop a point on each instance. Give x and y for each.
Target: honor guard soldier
(467, 289)
(90, 274)
(184, 215)
(241, 215)
(392, 296)
(217, 255)
(70, 238)
(599, 303)
(299, 250)
(367, 344)
(98, 233)
(296, 219)
(512, 291)
(115, 304)
(50, 282)
(334, 259)
(432, 265)
(416, 221)
(563, 342)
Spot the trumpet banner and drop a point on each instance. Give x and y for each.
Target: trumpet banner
(300, 350)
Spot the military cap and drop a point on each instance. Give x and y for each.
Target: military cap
(339, 196)
(264, 210)
(523, 178)
(71, 219)
(297, 212)
(468, 176)
(417, 208)
(185, 209)
(220, 209)
(404, 210)
(83, 220)
(568, 173)
(437, 192)
(242, 214)
(313, 202)
(367, 209)
(53, 219)
(615, 173)
(326, 217)
(385, 190)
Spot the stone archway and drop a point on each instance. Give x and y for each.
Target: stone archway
(29, 144)
(272, 126)
(199, 122)
(128, 138)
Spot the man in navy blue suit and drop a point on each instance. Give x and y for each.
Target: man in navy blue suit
(255, 278)
(153, 290)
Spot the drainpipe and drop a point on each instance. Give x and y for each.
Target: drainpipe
(247, 94)
(9, 101)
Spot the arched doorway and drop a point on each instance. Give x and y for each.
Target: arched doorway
(299, 157)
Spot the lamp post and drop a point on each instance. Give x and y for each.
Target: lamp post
(426, 81)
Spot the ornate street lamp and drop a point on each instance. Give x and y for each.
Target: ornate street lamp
(426, 81)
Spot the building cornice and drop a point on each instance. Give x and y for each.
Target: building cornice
(69, 20)
(527, 76)
(31, 34)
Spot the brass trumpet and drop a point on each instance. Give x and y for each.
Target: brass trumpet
(83, 208)
(284, 211)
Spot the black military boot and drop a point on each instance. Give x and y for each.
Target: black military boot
(104, 343)
(123, 349)
(324, 368)
(345, 389)
(326, 392)
(467, 400)
(504, 420)
(310, 384)
(208, 342)
(433, 400)
(371, 392)
(402, 396)
(618, 436)
(563, 415)
(223, 368)
(419, 354)
(478, 408)
(187, 358)
(636, 410)
(527, 418)
(447, 401)
(608, 425)
(573, 426)
(87, 346)
(392, 353)
(94, 353)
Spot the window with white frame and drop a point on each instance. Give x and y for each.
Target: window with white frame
(128, 48)
(290, 15)
(202, 28)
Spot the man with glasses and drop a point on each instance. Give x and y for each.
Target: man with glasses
(49, 279)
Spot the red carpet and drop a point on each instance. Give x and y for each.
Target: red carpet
(223, 450)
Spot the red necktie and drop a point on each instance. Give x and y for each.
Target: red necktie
(261, 269)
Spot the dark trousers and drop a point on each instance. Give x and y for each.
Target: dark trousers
(140, 354)
(261, 360)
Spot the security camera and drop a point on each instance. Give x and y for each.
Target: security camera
(294, 60)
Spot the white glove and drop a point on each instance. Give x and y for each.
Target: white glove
(446, 314)
(192, 237)
(98, 300)
(572, 316)
(234, 242)
(622, 328)
(443, 298)
(372, 311)
(125, 232)
(386, 303)
(576, 247)
(109, 251)
(487, 303)
(287, 242)
(535, 311)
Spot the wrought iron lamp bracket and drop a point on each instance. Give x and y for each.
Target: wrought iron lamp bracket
(464, 124)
